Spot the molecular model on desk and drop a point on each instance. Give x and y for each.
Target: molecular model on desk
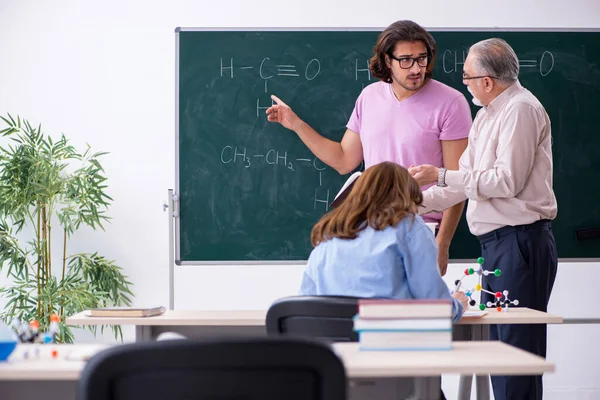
(30, 333)
(502, 301)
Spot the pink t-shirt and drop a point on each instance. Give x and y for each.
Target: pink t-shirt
(409, 132)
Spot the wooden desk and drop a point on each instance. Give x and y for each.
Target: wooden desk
(253, 321)
(481, 358)
(191, 323)
(514, 315)
(67, 366)
(491, 357)
(24, 378)
(197, 323)
(477, 329)
(179, 318)
(44, 377)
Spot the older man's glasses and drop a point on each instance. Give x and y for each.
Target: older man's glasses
(408, 62)
(466, 77)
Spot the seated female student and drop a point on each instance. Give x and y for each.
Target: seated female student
(375, 245)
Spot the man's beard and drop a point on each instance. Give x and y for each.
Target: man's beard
(408, 84)
(475, 100)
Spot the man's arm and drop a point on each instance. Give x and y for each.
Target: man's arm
(438, 199)
(343, 157)
(452, 150)
(454, 140)
(517, 144)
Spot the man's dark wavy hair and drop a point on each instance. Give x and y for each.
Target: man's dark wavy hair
(400, 31)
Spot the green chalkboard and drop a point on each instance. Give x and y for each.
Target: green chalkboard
(250, 190)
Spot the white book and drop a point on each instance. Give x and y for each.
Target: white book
(408, 324)
(394, 340)
(345, 190)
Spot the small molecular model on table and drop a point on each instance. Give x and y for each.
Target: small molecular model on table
(30, 332)
(502, 301)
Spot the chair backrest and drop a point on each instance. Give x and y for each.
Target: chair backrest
(224, 369)
(327, 318)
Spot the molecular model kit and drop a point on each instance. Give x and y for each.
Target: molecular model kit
(502, 301)
(30, 333)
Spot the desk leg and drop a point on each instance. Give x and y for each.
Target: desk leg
(427, 388)
(419, 388)
(464, 387)
(464, 332)
(47, 390)
(143, 333)
(482, 382)
(483, 387)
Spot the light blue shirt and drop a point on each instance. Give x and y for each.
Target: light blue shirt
(398, 262)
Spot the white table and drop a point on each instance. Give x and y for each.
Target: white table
(198, 323)
(491, 357)
(477, 329)
(191, 323)
(32, 378)
(44, 377)
(253, 322)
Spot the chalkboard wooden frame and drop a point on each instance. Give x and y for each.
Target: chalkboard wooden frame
(177, 237)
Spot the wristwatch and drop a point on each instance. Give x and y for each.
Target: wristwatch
(442, 177)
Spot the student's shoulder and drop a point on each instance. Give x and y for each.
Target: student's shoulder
(412, 226)
(315, 258)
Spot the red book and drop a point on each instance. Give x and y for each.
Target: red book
(398, 309)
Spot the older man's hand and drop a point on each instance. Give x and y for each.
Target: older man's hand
(424, 174)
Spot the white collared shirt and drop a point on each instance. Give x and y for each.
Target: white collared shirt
(506, 169)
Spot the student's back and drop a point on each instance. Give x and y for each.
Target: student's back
(384, 259)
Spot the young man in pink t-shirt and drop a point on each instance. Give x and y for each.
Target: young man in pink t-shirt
(407, 118)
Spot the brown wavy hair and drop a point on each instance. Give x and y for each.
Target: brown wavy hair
(383, 195)
(400, 31)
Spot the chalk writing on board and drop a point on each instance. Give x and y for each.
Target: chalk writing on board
(312, 69)
(243, 157)
(545, 68)
(262, 107)
(366, 70)
(453, 60)
(234, 154)
(272, 157)
(324, 201)
(267, 69)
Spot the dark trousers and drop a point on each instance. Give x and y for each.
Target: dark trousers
(526, 255)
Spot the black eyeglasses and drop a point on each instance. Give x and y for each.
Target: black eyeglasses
(468, 78)
(408, 62)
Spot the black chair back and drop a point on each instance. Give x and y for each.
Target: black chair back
(327, 318)
(223, 369)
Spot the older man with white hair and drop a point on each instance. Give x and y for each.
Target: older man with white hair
(506, 175)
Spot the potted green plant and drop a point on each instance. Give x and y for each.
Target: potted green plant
(47, 186)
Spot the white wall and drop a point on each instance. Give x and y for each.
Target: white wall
(103, 73)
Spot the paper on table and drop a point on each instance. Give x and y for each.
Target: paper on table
(474, 313)
(83, 353)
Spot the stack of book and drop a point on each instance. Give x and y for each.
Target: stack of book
(404, 324)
